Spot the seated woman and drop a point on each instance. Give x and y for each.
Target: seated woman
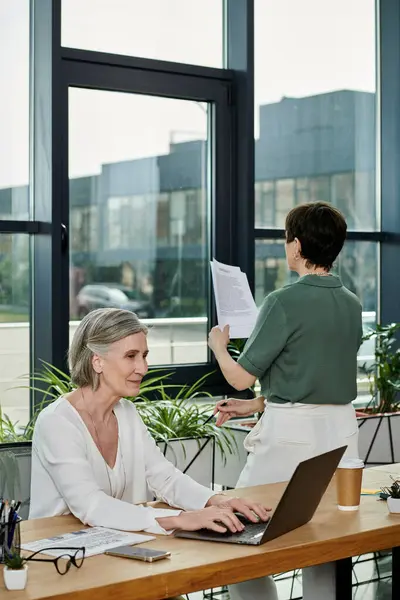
(92, 456)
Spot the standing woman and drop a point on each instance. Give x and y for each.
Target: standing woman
(303, 350)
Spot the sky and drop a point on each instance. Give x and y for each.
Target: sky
(302, 47)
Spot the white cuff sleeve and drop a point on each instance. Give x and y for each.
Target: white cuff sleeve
(161, 512)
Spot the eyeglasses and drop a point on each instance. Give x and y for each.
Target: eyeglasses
(74, 556)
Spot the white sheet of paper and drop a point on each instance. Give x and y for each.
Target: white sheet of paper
(234, 301)
(96, 540)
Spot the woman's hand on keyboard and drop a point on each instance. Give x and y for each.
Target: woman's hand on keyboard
(213, 517)
(254, 511)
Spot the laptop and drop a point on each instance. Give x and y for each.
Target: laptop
(296, 507)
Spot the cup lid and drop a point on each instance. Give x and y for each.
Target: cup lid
(351, 463)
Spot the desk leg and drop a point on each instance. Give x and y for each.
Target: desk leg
(328, 581)
(344, 579)
(395, 572)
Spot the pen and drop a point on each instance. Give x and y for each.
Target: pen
(11, 530)
(211, 416)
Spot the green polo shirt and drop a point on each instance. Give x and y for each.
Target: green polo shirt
(305, 342)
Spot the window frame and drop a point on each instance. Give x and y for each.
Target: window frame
(387, 234)
(55, 73)
(233, 214)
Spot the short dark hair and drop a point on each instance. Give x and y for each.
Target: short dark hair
(321, 231)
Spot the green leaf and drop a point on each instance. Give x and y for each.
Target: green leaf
(384, 373)
(168, 416)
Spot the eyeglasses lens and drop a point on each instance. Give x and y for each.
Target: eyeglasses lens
(63, 564)
(79, 557)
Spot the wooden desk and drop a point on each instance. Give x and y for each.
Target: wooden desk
(330, 536)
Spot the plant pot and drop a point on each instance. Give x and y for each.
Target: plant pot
(379, 438)
(15, 579)
(394, 505)
(363, 413)
(181, 452)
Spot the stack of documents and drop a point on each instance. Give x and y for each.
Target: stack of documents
(96, 540)
(234, 300)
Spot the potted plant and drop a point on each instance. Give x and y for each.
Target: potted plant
(183, 429)
(15, 571)
(393, 496)
(9, 431)
(177, 415)
(384, 372)
(180, 426)
(379, 421)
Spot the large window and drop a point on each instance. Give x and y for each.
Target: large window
(14, 208)
(14, 324)
(14, 109)
(185, 31)
(139, 215)
(315, 107)
(110, 199)
(126, 163)
(315, 129)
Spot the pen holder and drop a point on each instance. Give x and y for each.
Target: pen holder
(10, 539)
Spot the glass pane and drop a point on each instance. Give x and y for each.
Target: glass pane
(139, 215)
(315, 108)
(271, 270)
(357, 267)
(14, 326)
(14, 109)
(173, 30)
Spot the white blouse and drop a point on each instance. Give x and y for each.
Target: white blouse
(69, 474)
(116, 475)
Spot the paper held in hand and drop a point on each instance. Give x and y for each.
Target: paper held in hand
(234, 301)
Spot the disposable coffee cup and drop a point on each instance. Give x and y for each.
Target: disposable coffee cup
(348, 483)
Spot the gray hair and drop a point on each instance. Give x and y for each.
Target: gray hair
(95, 333)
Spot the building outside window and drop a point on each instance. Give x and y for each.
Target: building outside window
(315, 132)
(143, 196)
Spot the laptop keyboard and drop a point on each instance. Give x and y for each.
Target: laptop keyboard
(251, 530)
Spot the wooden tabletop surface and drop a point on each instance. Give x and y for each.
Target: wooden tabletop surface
(195, 565)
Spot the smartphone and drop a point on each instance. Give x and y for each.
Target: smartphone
(145, 554)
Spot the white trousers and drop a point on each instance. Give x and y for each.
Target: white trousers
(285, 435)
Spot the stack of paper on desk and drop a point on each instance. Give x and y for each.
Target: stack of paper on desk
(96, 540)
(234, 300)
